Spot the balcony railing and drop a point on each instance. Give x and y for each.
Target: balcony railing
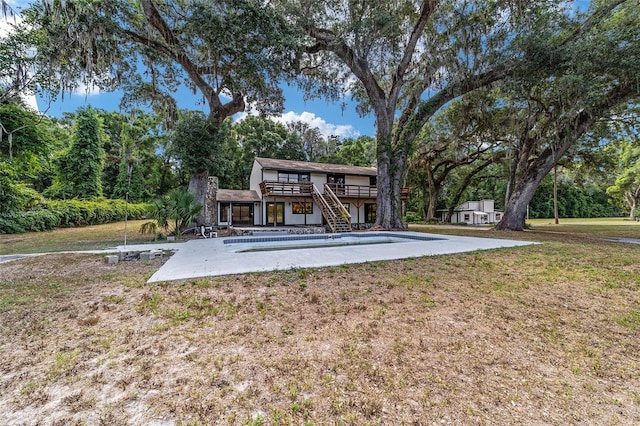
(297, 189)
(354, 191)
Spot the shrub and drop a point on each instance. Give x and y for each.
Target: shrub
(413, 217)
(67, 213)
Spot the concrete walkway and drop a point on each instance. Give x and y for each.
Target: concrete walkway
(129, 247)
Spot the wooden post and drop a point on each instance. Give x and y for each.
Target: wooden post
(555, 193)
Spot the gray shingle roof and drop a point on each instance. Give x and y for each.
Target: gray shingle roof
(237, 195)
(307, 166)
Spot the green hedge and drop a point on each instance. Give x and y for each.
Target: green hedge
(68, 213)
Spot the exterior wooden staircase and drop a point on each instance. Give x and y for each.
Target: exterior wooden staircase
(337, 217)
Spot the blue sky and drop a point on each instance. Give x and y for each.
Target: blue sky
(329, 117)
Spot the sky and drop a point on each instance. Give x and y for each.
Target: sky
(330, 118)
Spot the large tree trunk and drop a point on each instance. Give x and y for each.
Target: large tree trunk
(632, 202)
(389, 214)
(515, 210)
(434, 190)
(391, 165)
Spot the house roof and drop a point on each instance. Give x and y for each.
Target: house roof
(307, 166)
(237, 195)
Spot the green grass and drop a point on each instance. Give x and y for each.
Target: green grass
(68, 239)
(608, 226)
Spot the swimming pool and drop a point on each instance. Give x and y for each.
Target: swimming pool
(295, 242)
(219, 256)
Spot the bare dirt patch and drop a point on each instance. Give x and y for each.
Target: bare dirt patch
(535, 335)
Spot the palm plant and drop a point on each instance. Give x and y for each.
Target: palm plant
(172, 213)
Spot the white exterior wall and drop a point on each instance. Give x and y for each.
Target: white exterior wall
(458, 217)
(472, 205)
(353, 210)
(270, 175)
(319, 179)
(487, 206)
(356, 180)
(299, 219)
(255, 178)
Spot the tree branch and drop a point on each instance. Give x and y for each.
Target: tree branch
(596, 17)
(326, 40)
(157, 21)
(427, 9)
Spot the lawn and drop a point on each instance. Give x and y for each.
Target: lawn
(81, 238)
(544, 334)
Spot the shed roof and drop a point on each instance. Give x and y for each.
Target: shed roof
(307, 166)
(237, 195)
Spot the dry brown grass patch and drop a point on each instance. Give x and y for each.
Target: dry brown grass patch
(544, 334)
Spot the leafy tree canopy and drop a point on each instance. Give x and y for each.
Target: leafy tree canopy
(230, 52)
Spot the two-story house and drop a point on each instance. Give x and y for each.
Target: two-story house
(288, 193)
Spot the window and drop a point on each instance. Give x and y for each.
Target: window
(293, 177)
(336, 178)
(373, 180)
(497, 216)
(242, 214)
(224, 212)
(302, 208)
(466, 217)
(370, 213)
(347, 206)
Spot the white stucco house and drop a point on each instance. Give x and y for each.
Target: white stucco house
(299, 193)
(473, 213)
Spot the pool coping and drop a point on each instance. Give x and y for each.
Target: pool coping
(208, 257)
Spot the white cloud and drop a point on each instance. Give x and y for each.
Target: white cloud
(327, 129)
(82, 89)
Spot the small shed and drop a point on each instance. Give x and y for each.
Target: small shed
(473, 213)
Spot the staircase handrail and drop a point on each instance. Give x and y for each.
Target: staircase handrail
(343, 211)
(326, 205)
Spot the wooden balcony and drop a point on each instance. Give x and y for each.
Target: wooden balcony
(364, 191)
(287, 189)
(304, 189)
(354, 191)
